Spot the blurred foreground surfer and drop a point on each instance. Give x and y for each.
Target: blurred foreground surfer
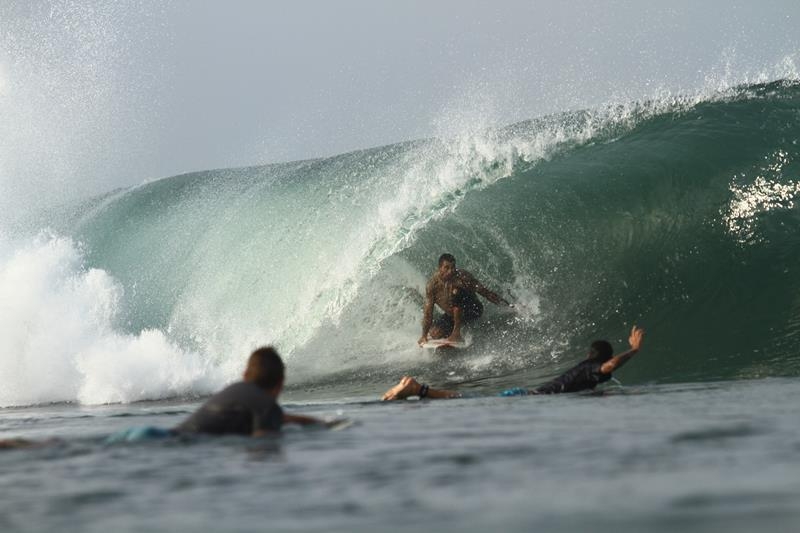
(586, 375)
(248, 407)
(454, 291)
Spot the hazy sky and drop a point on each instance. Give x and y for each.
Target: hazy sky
(96, 95)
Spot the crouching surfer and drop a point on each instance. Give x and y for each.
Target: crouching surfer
(586, 375)
(454, 291)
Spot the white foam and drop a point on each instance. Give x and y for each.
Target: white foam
(58, 343)
(769, 191)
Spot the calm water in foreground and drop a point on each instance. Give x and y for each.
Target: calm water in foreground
(695, 457)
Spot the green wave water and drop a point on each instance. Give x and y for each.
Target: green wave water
(680, 215)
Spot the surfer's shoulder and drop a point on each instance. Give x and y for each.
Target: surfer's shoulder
(465, 276)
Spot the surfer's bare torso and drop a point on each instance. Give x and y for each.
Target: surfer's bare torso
(441, 292)
(454, 292)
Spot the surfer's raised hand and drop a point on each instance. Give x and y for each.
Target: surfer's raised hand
(635, 340)
(422, 340)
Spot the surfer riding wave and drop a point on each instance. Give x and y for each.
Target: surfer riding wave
(454, 291)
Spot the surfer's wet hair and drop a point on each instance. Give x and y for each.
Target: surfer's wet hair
(264, 368)
(449, 258)
(601, 351)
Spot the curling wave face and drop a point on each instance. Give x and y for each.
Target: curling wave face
(679, 214)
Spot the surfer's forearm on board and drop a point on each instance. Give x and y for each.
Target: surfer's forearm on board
(301, 420)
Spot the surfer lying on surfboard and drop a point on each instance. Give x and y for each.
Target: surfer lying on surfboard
(248, 407)
(586, 375)
(454, 291)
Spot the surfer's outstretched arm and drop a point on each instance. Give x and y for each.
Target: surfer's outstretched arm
(635, 341)
(301, 420)
(472, 283)
(409, 386)
(491, 296)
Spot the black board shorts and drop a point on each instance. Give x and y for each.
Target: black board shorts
(471, 309)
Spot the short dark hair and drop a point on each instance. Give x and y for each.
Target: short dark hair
(601, 351)
(265, 368)
(447, 257)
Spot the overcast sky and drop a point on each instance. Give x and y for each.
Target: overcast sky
(96, 95)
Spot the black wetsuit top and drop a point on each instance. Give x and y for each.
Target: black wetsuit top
(583, 376)
(241, 408)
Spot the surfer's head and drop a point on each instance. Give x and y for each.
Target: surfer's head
(265, 368)
(447, 266)
(601, 351)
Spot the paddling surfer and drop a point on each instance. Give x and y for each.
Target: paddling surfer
(453, 290)
(586, 375)
(249, 407)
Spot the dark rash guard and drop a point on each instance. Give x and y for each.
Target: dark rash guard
(241, 408)
(585, 375)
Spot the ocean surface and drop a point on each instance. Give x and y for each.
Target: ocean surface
(679, 214)
(712, 456)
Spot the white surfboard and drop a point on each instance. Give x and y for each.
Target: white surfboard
(444, 344)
